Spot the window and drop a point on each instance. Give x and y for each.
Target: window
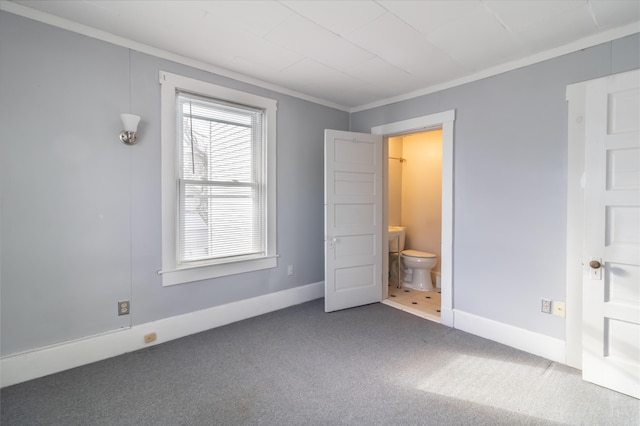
(218, 181)
(220, 190)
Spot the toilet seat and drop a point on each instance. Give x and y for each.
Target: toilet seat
(418, 254)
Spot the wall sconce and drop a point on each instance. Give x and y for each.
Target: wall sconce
(130, 123)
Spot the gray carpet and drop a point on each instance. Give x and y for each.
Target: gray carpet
(372, 365)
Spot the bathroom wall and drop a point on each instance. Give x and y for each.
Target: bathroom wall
(422, 191)
(395, 181)
(81, 212)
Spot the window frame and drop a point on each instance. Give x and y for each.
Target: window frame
(172, 272)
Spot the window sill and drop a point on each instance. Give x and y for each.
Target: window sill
(203, 272)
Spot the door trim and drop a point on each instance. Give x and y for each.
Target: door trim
(576, 98)
(444, 120)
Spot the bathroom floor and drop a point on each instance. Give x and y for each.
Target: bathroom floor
(425, 304)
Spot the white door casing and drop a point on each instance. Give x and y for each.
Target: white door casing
(353, 219)
(444, 120)
(611, 275)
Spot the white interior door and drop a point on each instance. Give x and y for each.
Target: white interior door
(611, 287)
(353, 219)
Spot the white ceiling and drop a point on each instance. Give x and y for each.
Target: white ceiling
(356, 54)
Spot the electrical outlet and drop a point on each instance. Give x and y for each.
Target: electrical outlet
(546, 306)
(150, 337)
(290, 270)
(559, 309)
(124, 308)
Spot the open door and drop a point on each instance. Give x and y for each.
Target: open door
(611, 285)
(353, 219)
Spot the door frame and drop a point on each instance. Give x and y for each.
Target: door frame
(576, 99)
(445, 121)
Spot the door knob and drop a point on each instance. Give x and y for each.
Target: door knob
(332, 242)
(595, 264)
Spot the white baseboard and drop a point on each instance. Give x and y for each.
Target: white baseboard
(519, 338)
(52, 359)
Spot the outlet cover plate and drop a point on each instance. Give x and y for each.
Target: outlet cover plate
(124, 307)
(151, 337)
(559, 309)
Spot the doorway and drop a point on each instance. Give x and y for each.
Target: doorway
(414, 183)
(356, 220)
(445, 122)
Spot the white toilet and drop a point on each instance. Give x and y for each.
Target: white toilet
(417, 267)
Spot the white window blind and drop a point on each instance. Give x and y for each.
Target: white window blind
(221, 191)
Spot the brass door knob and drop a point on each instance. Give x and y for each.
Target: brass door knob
(595, 264)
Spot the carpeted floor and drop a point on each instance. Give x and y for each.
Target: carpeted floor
(372, 365)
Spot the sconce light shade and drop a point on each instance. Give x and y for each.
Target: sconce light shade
(130, 123)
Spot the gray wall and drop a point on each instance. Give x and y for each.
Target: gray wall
(80, 214)
(510, 176)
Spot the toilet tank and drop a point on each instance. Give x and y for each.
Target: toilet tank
(396, 236)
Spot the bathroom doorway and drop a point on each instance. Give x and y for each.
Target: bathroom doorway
(414, 201)
(443, 121)
(378, 254)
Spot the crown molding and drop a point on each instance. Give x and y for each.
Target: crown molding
(46, 18)
(575, 46)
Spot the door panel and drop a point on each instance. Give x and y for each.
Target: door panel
(611, 309)
(353, 219)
